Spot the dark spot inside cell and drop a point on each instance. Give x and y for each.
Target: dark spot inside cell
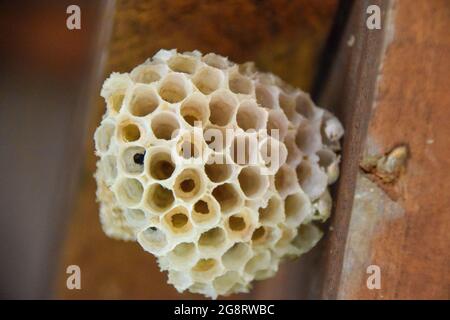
(153, 228)
(139, 158)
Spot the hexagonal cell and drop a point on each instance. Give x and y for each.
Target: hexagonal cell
(228, 197)
(312, 179)
(277, 125)
(294, 156)
(216, 61)
(132, 159)
(173, 88)
(194, 110)
(224, 283)
(240, 226)
(135, 217)
(108, 167)
(129, 191)
(218, 139)
(288, 105)
(260, 261)
(165, 125)
(308, 138)
(273, 212)
(253, 184)
(206, 211)
(183, 63)
(147, 73)
(160, 165)
(153, 240)
(305, 106)
(177, 221)
(222, 107)
(264, 236)
(103, 136)
(180, 279)
(206, 270)
(115, 101)
(250, 116)
(144, 101)
(240, 84)
(243, 149)
(208, 79)
(191, 145)
(218, 168)
(129, 131)
(212, 241)
(237, 256)
(307, 237)
(189, 184)
(273, 153)
(265, 96)
(296, 208)
(287, 235)
(159, 198)
(329, 161)
(286, 180)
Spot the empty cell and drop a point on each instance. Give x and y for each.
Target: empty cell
(115, 101)
(273, 153)
(287, 235)
(216, 61)
(250, 116)
(288, 105)
(206, 211)
(236, 257)
(260, 261)
(144, 101)
(244, 149)
(294, 156)
(191, 145)
(159, 198)
(277, 125)
(183, 63)
(224, 283)
(312, 179)
(305, 106)
(183, 255)
(173, 88)
(240, 84)
(260, 235)
(147, 73)
(205, 269)
(177, 221)
(265, 96)
(212, 240)
(222, 107)
(132, 160)
(296, 208)
(218, 168)
(329, 161)
(103, 136)
(153, 240)
(308, 138)
(228, 197)
(194, 110)
(165, 125)
(129, 131)
(160, 164)
(135, 217)
(208, 79)
(272, 213)
(286, 180)
(189, 184)
(218, 139)
(129, 191)
(252, 182)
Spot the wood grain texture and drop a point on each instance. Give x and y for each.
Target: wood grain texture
(285, 37)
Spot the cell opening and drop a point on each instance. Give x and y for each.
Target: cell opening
(115, 101)
(188, 184)
(240, 84)
(153, 240)
(129, 157)
(201, 207)
(129, 132)
(308, 139)
(194, 110)
(173, 88)
(287, 104)
(252, 182)
(165, 126)
(305, 106)
(250, 116)
(208, 80)
(259, 234)
(216, 61)
(190, 146)
(204, 265)
(213, 238)
(236, 256)
(177, 220)
(222, 108)
(161, 165)
(272, 213)
(145, 74)
(277, 125)
(129, 191)
(217, 169)
(259, 262)
(265, 97)
(205, 211)
(182, 63)
(286, 180)
(159, 198)
(296, 208)
(183, 253)
(273, 153)
(236, 223)
(143, 101)
(218, 139)
(227, 196)
(312, 179)
(243, 149)
(103, 136)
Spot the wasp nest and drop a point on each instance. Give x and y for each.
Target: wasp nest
(217, 169)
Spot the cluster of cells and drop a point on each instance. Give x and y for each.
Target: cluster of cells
(218, 170)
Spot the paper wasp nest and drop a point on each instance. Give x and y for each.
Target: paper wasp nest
(217, 169)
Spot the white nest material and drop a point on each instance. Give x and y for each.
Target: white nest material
(217, 169)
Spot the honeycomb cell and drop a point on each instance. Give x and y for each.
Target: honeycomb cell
(237, 256)
(173, 88)
(183, 256)
(144, 101)
(250, 116)
(129, 131)
(286, 180)
(218, 168)
(189, 184)
(129, 191)
(177, 221)
(191, 145)
(272, 213)
(132, 160)
(243, 149)
(160, 164)
(228, 197)
(208, 80)
(159, 198)
(165, 125)
(240, 225)
(205, 270)
(183, 63)
(240, 84)
(296, 208)
(253, 184)
(147, 73)
(103, 136)
(206, 211)
(265, 97)
(212, 241)
(195, 110)
(222, 107)
(153, 240)
(277, 124)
